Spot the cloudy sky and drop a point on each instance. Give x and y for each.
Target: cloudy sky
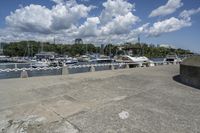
(175, 22)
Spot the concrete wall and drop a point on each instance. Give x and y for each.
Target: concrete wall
(190, 75)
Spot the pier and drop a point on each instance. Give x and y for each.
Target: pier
(146, 100)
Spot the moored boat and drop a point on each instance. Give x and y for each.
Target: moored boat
(172, 58)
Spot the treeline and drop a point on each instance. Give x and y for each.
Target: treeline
(151, 51)
(30, 48)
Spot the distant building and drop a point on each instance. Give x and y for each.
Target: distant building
(165, 46)
(102, 49)
(1, 51)
(152, 46)
(78, 41)
(1, 47)
(45, 55)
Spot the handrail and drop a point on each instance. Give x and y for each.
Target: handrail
(75, 66)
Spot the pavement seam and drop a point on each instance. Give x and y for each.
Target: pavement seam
(62, 118)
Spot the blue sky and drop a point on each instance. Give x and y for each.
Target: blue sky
(174, 22)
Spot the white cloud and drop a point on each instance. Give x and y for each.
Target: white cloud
(142, 29)
(10, 35)
(62, 21)
(36, 18)
(114, 8)
(89, 28)
(170, 7)
(186, 14)
(58, 1)
(120, 24)
(33, 18)
(164, 26)
(169, 25)
(64, 16)
(115, 23)
(117, 17)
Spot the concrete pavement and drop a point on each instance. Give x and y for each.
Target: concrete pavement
(139, 100)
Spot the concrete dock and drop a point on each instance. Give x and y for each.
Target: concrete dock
(138, 100)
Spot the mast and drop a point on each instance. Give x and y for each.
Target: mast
(139, 39)
(28, 49)
(86, 49)
(109, 47)
(139, 42)
(42, 47)
(54, 40)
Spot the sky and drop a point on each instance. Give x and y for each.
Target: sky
(173, 22)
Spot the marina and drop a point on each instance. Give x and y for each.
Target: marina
(50, 63)
(10, 70)
(99, 66)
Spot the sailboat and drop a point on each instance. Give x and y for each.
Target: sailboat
(40, 62)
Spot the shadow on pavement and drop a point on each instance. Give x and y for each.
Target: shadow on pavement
(177, 78)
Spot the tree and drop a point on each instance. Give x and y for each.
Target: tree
(110, 50)
(30, 48)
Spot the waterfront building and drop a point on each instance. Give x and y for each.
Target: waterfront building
(102, 49)
(45, 55)
(78, 41)
(1, 48)
(1, 51)
(165, 46)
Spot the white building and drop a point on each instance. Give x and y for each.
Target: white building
(1, 49)
(165, 46)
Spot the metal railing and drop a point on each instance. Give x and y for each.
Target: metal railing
(58, 67)
(76, 66)
(70, 69)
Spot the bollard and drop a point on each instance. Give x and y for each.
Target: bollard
(148, 64)
(65, 70)
(92, 69)
(15, 65)
(112, 67)
(24, 74)
(127, 66)
(140, 65)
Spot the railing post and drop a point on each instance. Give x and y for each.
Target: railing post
(24, 74)
(127, 66)
(92, 68)
(65, 70)
(112, 67)
(15, 65)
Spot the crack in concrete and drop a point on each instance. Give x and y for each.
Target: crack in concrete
(65, 119)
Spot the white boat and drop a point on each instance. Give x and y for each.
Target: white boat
(42, 63)
(141, 60)
(172, 58)
(2, 56)
(70, 60)
(130, 59)
(102, 60)
(84, 58)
